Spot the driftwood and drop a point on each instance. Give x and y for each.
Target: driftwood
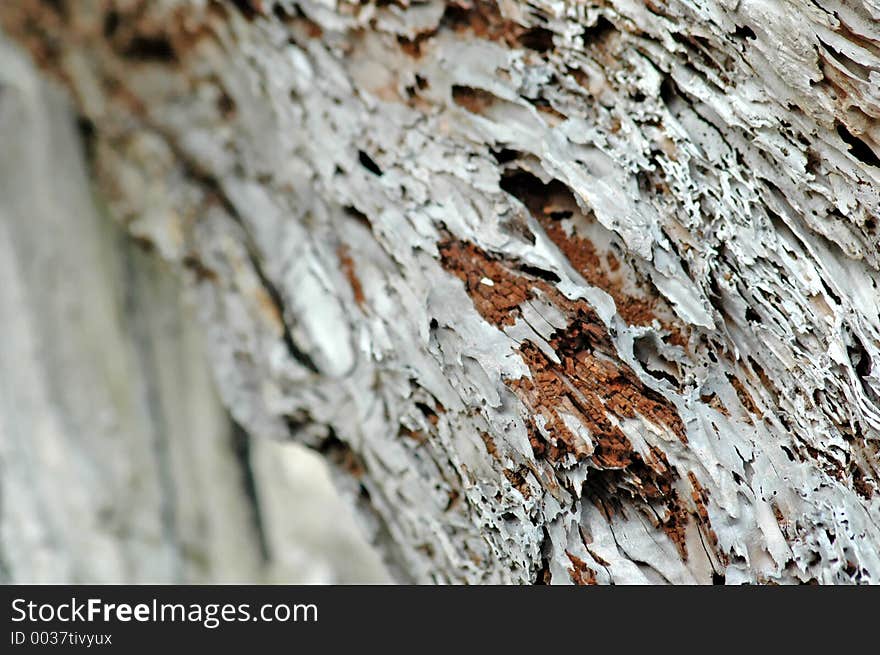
(566, 291)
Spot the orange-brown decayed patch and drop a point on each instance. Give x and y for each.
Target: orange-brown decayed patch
(551, 203)
(313, 30)
(202, 272)
(744, 396)
(497, 294)
(701, 500)
(413, 47)
(491, 448)
(580, 573)
(476, 101)
(589, 384)
(860, 482)
(674, 524)
(348, 269)
(482, 19)
(518, 480)
(614, 383)
(584, 258)
(713, 401)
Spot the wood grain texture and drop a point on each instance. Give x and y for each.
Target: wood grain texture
(567, 292)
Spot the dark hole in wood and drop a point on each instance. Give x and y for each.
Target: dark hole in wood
(596, 32)
(225, 105)
(532, 192)
(744, 32)
(505, 155)
(547, 276)
(246, 9)
(368, 163)
(357, 215)
(668, 92)
(111, 23)
(150, 49)
(858, 148)
(538, 39)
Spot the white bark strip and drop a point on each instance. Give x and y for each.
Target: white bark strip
(569, 291)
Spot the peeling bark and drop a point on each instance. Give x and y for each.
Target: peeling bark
(567, 292)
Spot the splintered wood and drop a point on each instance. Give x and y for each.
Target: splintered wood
(584, 292)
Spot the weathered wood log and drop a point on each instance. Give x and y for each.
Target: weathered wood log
(567, 291)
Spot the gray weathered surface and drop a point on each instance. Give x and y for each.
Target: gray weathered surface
(570, 292)
(118, 463)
